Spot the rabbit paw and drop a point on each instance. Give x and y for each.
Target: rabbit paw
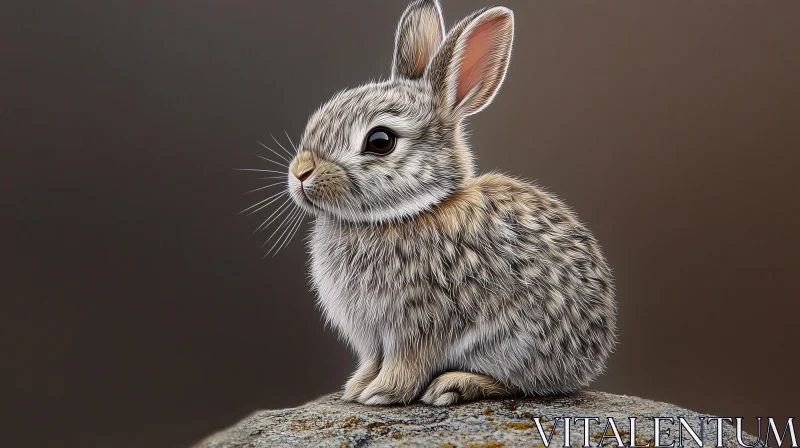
(455, 387)
(383, 398)
(366, 372)
(390, 387)
(437, 398)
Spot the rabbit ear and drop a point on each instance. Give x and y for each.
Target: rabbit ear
(471, 63)
(419, 34)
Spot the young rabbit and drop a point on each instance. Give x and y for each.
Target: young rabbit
(450, 287)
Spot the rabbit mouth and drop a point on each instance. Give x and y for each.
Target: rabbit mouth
(305, 196)
(306, 200)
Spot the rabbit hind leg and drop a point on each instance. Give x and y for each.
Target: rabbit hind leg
(456, 387)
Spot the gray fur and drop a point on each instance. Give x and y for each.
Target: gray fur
(448, 286)
(419, 34)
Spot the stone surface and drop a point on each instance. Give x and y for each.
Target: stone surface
(330, 422)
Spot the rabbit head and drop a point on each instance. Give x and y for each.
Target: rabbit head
(391, 149)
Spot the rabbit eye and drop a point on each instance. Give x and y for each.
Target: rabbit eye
(380, 141)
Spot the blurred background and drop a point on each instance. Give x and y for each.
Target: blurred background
(136, 308)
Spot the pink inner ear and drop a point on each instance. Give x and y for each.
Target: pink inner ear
(475, 62)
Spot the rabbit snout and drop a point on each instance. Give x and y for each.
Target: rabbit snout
(303, 166)
(319, 180)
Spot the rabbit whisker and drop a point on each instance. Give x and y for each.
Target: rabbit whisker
(293, 233)
(266, 186)
(276, 196)
(279, 144)
(275, 152)
(280, 225)
(265, 205)
(293, 226)
(290, 141)
(270, 160)
(262, 171)
(291, 221)
(296, 226)
(283, 207)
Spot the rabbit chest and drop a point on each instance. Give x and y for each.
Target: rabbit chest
(372, 281)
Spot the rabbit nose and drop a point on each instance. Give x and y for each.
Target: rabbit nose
(303, 166)
(304, 175)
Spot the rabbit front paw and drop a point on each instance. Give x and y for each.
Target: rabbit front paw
(384, 395)
(456, 387)
(393, 385)
(366, 372)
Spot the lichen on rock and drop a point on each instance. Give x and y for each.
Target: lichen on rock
(330, 422)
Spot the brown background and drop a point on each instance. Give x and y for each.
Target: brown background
(137, 310)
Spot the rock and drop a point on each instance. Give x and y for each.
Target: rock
(330, 422)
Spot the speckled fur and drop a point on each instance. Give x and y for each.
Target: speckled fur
(448, 286)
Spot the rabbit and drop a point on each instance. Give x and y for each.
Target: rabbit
(448, 286)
